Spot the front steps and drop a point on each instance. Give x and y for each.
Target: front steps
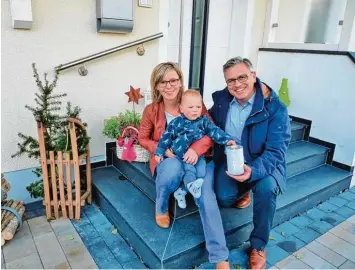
(129, 204)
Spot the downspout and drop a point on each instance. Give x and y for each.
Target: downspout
(181, 31)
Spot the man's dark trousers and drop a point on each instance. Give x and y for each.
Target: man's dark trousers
(265, 190)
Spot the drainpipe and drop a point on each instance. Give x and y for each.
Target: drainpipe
(181, 30)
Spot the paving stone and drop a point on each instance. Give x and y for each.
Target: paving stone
(344, 234)
(327, 207)
(39, 226)
(48, 245)
(301, 221)
(24, 232)
(312, 259)
(307, 235)
(102, 254)
(326, 253)
(287, 229)
(275, 238)
(134, 264)
(268, 266)
(351, 205)
(338, 245)
(79, 257)
(338, 201)
(315, 214)
(96, 218)
(29, 262)
(87, 232)
(2, 259)
(347, 226)
(347, 265)
(74, 249)
(345, 211)
(348, 195)
(292, 263)
(351, 219)
(321, 226)
(333, 218)
(352, 190)
(18, 248)
(275, 254)
(238, 257)
(291, 244)
(62, 227)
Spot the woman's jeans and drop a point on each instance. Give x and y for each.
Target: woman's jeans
(169, 174)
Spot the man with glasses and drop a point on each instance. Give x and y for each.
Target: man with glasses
(252, 113)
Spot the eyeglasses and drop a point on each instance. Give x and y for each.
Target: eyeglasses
(242, 78)
(172, 82)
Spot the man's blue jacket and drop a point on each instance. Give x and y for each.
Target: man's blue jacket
(265, 137)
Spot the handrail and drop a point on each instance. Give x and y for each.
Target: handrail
(106, 52)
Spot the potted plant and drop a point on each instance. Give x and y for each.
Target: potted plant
(124, 129)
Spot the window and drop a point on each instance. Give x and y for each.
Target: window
(309, 24)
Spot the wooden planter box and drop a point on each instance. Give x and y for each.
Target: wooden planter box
(59, 167)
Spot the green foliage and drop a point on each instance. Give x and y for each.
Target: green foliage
(115, 125)
(283, 92)
(56, 137)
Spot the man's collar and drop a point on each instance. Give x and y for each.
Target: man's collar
(249, 102)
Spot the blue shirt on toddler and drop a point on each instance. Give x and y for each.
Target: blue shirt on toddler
(182, 132)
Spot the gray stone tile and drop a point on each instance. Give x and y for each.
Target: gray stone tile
(62, 227)
(326, 253)
(328, 207)
(338, 245)
(351, 204)
(301, 221)
(18, 248)
(50, 251)
(24, 232)
(347, 265)
(29, 262)
(338, 201)
(292, 263)
(351, 219)
(347, 226)
(348, 195)
(2, 260)
(312, 259)
(344, 234)
(80, 258)
(39, 226)
(74, 249)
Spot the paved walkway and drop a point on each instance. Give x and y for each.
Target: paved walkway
(323, 237)
(42, 244)
(333, 250)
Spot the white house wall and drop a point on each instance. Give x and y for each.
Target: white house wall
(322, 89)
(63, 31)
(235, 28)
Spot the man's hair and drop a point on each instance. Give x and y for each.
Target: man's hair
(191, 93)
(238, 60)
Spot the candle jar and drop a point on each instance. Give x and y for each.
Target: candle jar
(235, 159)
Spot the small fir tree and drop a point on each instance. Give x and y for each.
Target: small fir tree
(56, 137)
(283, 92)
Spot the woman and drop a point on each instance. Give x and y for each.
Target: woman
(167, 84)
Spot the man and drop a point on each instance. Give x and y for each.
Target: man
(252, 113)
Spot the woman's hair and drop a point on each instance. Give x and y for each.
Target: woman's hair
(157, 75)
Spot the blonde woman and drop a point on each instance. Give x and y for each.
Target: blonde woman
(167, 84)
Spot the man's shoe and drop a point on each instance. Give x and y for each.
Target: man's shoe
(257, 259)
(163, 220)
(223, 265)
(244, 202)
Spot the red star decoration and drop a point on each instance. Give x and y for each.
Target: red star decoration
(134, 94)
